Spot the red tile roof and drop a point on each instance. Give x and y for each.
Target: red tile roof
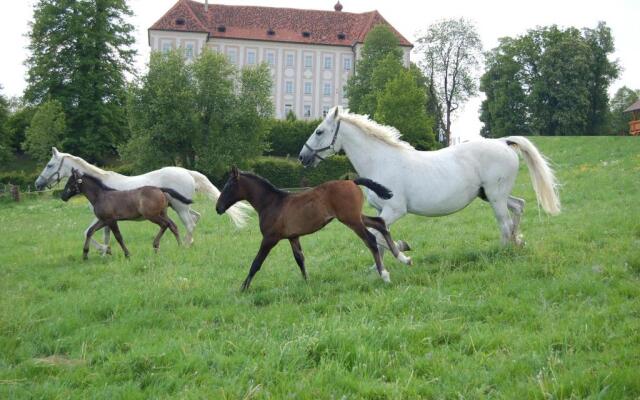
(288, 24)
(634, 107)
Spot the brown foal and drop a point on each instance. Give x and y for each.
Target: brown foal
(111, 206)
(286, 215)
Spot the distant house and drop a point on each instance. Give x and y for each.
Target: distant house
(311, 53)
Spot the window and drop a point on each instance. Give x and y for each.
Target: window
(328, 62)
(232, 56)
(326, 89)
(307, 88)
(325, 111)
(307, 111)
(308, 62)
(188, 51)
(344, 91)
(251, 57)
(166, 46)
(287, 109)
(289, 60)
(271, 58)
(288, 87)
(347, 64)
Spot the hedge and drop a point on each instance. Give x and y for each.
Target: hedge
(289, 173)
(19, 178)
(286, 138)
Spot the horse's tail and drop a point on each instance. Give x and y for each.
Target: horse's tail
(377, 188)
(542, 176)
(237, 212)
(177, 195)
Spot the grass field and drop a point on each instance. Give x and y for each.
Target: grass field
(559, 318)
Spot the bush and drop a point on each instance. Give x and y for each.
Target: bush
(288, 173)
(19, 178)
(288, 136)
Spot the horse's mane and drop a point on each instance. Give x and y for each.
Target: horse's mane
(89, 167)
(97, 181)
(387, 134)
(264, 182)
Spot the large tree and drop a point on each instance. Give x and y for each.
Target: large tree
(451, 51)
(550, 81)
(619, 120)
(204, 115)
(46, 130)
(80, 53)
(5, 139)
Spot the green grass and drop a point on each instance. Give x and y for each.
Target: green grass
(559, 318)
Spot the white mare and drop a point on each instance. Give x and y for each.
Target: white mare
(184, 181)
(434, 183)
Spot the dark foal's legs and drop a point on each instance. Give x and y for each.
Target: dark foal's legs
(90, 232)
(378, 224)
(164, 222)
(265, 247)
(370, 240)
(297, 254)
(116, 232)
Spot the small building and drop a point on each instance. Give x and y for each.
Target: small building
(634, 124)
(311, 53)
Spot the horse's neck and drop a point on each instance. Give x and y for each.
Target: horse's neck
(260, 195)
(366, 153)
(90, 169)
(91, 190)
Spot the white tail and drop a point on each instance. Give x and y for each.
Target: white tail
(542, 176)
(237, 212)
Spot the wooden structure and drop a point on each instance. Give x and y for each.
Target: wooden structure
(634, 124)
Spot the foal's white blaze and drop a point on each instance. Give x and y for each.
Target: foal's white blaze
(434, 183)
(184, 181)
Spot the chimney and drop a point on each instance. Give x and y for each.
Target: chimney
(206, 5)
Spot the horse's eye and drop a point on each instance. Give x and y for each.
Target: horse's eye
(319, 132)
(50, 165)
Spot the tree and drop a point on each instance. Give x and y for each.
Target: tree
(5, 139)
(46, 130)
(402, 105)
(619, 120)
(80, 52)
(204, 115)
(380, 44)
(451, 51)
(549, 81)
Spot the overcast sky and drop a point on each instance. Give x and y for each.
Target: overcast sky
(493, 19)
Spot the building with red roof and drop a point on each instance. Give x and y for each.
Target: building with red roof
(311, 53)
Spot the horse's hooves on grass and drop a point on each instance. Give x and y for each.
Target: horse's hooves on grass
(385, 276)
(403, 246)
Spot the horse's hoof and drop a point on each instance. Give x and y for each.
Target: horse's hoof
(108, 252)
(403, 246)
(385, 276)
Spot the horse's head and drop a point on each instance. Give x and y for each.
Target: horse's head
(231, 193)
(324, 141)
(54, 171)
(72, 187)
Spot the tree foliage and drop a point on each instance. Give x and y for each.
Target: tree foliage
(5, 138)
(80, 52)
(47, 129)
(619, 120)
(204, 115)
(550, 82)
(451, 50)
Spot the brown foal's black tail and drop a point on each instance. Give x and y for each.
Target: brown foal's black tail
(177, 196)
(377, 188)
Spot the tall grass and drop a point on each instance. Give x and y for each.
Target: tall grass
(559, 318)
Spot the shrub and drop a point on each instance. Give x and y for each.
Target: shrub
(288, 173)
(288, 136)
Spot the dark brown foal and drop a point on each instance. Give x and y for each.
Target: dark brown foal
(111, 206)
(286, 215)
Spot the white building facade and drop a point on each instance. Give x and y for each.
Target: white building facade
(310, 65)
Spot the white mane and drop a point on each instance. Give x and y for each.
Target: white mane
(387, 134)
(92, 169)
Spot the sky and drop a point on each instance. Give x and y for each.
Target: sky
(493, 19)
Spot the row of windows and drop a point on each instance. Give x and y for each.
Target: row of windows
(270, 58)
(306, 110)
(308, 88)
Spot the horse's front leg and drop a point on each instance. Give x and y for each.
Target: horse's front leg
(390, 215)
(92, 229)
(104, 249)
(265, 247)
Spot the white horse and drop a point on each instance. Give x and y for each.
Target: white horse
(184, 181)
(434, 183)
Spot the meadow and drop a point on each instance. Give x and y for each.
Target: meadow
(558, 318)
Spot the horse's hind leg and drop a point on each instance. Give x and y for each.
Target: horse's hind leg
(116, 232)
(389, 216)
(370, 240)
(298, 255)
(505, 223)
(174, 229)
(379, 225)
(185, 214)
(516, 206)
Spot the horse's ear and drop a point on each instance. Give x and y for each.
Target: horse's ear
(54, 151)
(234, 171)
